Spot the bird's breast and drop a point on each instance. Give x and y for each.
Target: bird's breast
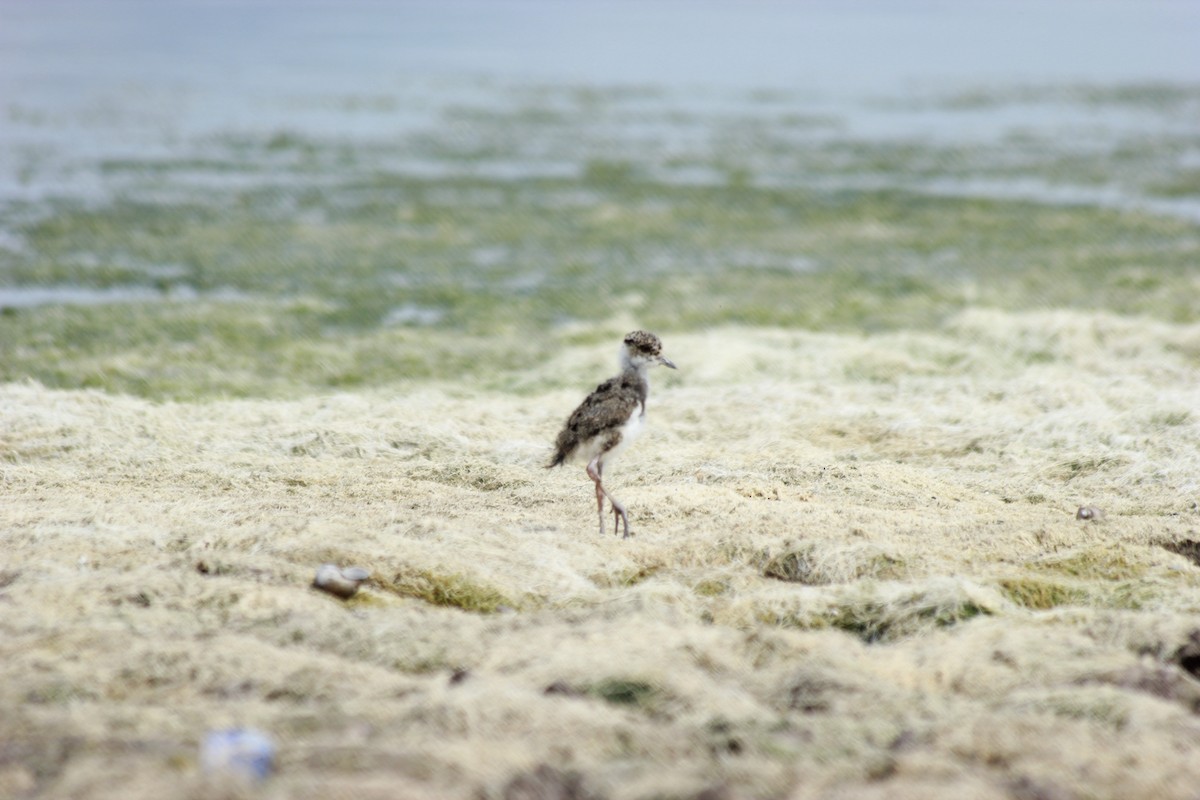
(633, 426)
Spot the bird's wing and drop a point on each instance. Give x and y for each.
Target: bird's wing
(607, 408)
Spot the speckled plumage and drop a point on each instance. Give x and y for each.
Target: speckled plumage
(611, 417)
(598, 421)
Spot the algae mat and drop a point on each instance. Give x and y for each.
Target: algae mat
(857, 572)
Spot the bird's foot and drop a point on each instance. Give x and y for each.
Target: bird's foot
(620, 518)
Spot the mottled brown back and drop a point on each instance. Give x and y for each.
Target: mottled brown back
(605, 409)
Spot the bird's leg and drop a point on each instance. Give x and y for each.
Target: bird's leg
(600, 505)
(595, 471)
(619, 516)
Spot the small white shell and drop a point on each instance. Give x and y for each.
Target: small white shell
(340, 582)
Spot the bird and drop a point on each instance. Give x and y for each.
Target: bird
(610, 418)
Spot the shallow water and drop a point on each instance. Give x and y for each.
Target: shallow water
(359, 171)
(84, 81)
(872, 46)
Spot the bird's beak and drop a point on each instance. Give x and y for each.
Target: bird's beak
(666, 362)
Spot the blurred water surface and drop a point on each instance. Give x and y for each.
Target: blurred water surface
(477, 164)
(141, 71)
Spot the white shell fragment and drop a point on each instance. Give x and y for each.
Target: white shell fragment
(340, 582)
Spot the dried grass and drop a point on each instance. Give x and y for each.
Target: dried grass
(857, 573)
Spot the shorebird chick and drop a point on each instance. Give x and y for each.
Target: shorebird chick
(610, 418)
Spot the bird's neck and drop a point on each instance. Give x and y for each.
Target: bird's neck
(628, 366)
(637, 376)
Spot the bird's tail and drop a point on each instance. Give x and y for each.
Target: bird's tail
(562, 450)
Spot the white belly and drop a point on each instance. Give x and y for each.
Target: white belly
(629, 431)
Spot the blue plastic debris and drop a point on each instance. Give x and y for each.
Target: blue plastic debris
(243, 752)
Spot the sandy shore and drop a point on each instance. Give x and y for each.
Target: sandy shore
(857, 572)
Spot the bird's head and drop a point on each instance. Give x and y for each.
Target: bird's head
(643, 349)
